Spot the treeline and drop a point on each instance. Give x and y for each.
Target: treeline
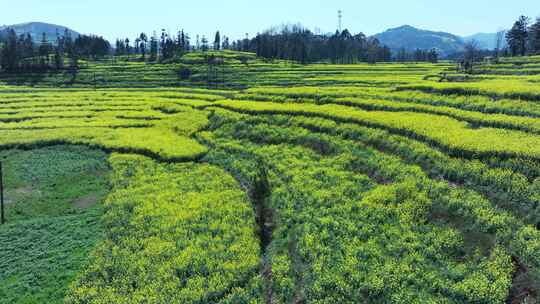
(299, 44)
(291, 42)
(524, 37)
(153, 48)
(168, 47)
(418, 55)
(521, 40)
(21, 53)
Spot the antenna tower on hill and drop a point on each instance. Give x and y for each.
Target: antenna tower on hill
(340, 17)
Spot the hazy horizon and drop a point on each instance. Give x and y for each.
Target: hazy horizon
(237, 17)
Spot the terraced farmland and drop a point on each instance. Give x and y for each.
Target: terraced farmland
(293, 184)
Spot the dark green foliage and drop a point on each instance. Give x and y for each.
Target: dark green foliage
(54, 212)
(91, 46)
(175, 233)
(47, 182)
(535, 36)
(143, 40)
(217, 42)
(356, 226)
(204, 44)
(9, 55)
(299, 44)
(517, 37)
(40, 258)
(184, 73)
(22, 54)
(153, 48)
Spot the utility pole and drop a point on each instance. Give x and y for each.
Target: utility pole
(2, 218)
(223, 70)
(340, 16)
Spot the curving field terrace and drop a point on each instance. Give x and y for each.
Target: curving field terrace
(296, 184)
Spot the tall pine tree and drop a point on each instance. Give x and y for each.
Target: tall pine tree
(217, 41)
(517, 37)
(535, 36)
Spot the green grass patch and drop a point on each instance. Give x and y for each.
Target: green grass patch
(53, 211)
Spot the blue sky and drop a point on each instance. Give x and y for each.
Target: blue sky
(116, 18)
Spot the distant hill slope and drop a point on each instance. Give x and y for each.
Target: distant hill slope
(411, 38)
(485, 40)
(36, 30)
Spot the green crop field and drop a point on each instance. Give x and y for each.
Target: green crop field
(271, 182)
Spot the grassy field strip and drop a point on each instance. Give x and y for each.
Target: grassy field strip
(168, 140)
(53, 213)
(469, 103)
(528, 124)
(74, 122)
(94, 98)
(455, 136)
(462, 173)
(74, 114)
(323, 219)
(46, 109)
(193, 242)
(133, 75)
(154, 123)
(503, 184)
(499, 88)
(522, 240)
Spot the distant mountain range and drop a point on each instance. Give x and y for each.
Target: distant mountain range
(485, 40)
(411, 38)
(36, 30)
(406, 36)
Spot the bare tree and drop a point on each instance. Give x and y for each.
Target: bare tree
(499, 40)
(471, 54)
